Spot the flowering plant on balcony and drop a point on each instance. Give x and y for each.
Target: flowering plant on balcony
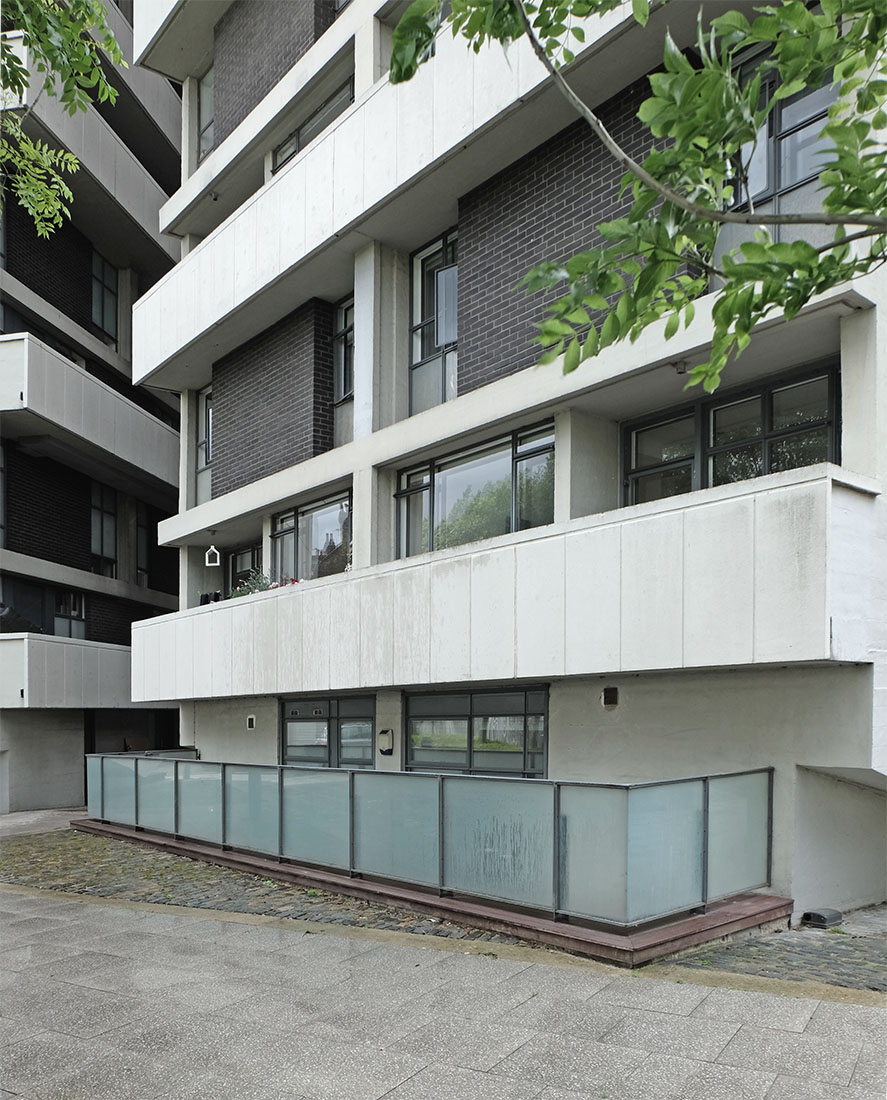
(257, 581)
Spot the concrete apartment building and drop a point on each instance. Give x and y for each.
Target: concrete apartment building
(600, 578)
(89, 462)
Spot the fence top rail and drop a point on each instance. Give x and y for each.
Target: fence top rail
(308, 770)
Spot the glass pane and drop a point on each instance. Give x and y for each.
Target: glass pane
(94, 786)
(803, 449)
(593, 852)
(78, 628)
(535, 492)
(664, 442)
(251, 808)
(472, 499)
(498, 744)
(665, 829)
(451, 376)
(109, 536)
(315, 817)
(283, 557)
(804, 403)
(207, 139)
(284, 521)
(536, 744)
(447, 305)
(737, 465)
(798, 108)
(737, 833)
(205, 100)
(669, 483)
(324, 538)
(284, 151)
(497, 702)
(157, 795)
(415, 521)
(425, 386)
(326, 114)
(200, 801)
(307, 741)
(757, 166)
(96, 531)
(120, 790)
(110, 313)
(801, 154)
(98, 294)
(439, 743)
(498, 839)
(737, 421)
(355, 742)
(426, 302)
(539, 437)
(396, 826)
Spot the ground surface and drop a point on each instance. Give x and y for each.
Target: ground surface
(222, 991)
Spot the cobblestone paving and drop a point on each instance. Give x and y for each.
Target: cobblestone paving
(853, 956)
(78, 863)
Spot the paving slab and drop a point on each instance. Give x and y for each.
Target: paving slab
(808, 1056)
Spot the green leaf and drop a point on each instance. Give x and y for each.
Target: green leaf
(571, 358)
(671, 325)
(640, 9)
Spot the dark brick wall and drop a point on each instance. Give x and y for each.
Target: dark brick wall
(58, 269)
(273, 399)
(47, 510)
(256, 43)
(110, 620)
(543, 207)
(163, 561)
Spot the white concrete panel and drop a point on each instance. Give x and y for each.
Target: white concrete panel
(185, 657)
(347, 139)
(492, 615)
(38, 671)
(265, 646)
(380, 137)
(221, 651)
(539, 608)
(245, 232)
(411, 629)
(167, 659)
(453, 76)
(220, 288)
(718, 583)
(73, 675)
(203, 655)
(316, 635)
(291, 186)
(652, 596)
(592, 576)
(450, 619)
(240, 618)
(791, 617)
(268, 234)
(345, 647)
(415, 117)
(92, 657)
(320, 187)
(138, 665)
(377, 596)
(289, 642)
(495, 76)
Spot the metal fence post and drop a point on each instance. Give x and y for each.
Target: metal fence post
(351, 824)
(770, 777)
(705, 783)
(135, 792)
(555, 850)
(440, 835)
(175, 797)
(222, 801)
(279, 812)
(102, 787)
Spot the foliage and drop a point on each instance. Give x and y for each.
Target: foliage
(705, 123)
(64, 44)
(257, 581)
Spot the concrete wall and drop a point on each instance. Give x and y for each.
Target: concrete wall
(41, 671)
(220, 731)
(41, 759)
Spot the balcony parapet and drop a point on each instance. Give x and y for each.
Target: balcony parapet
(44, 671)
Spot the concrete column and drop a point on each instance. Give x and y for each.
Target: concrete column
(389, 716)
(864, 392)
(367, 281)
(586, 465)
(394, 336)
(372, 517)
(195, 577)
(187, 724)
(187, 449)
(126, 538)
(126, 295)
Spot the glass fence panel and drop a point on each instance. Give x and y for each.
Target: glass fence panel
(498, 839)
(592, 852)
(94, 786)
(665, 831)
(251, 808)
(315, 816)
(737, 833)
(396, 826)
(200, 801)
(157, 795)
(120, 790)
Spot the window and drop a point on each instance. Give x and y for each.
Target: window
(343, 377)
(312, 541)
(327, 112)
(482, 733)
(70, 615)
(504, 486)
(205, 115)
(433, 333)
(204, 428)
(141, 544)
(104, 530)
(240, 563)
(104, 295)
(778, 426)
(329, 733)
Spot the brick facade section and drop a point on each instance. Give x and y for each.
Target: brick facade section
(273, 399)
(255, 45)
(110, 620)
(47, 510)
(545, 206)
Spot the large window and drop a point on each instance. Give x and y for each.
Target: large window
(778, 426)
(434, 330)
(205, 428)
(329, 733)
(312, 541)
(104, 295)
(206, 114)
(343, 373)
(104, 530)
(240, 563)
(327, 112)
(70, 615)
(503, 486)
(482, 733)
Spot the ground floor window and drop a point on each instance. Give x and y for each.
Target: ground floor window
(329, 733)
(481, 733)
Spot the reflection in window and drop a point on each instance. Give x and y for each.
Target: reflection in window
(490, 490)
(329, 733)
(434, 331)
(312, 541)
(206, 113)
(489, 733)
(723, 440)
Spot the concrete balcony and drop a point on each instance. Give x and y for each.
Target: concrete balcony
(55, 408)
(770, 571)
(43, 671)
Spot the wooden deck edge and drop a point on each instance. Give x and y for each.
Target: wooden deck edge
(627, 949)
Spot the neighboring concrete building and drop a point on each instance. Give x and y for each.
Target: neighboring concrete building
(88, 462)
(504, 571)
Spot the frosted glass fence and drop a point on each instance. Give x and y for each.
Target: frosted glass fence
(622, 855)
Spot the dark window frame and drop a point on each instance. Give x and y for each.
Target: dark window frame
(296, 136)
(701, 409)
(205, 415)
(343, 352)
(234, 577)
(142, 546)
(104, 556)
(105, 281)
(69, 607)
(472, 693)
(208, 126)
(449, 244)
(278, 532)
(329, 709)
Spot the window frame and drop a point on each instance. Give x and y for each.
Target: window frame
(448, 243)
(103, 284)
(472, 692)
(204, 445)
(434, 464)
(329, 709)
(255, 551)
(104, 558)
(207, 127)
(296, 136)
(72, 610)
(343, 352)
(297, 511)
(701, 410)
(142, 560)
